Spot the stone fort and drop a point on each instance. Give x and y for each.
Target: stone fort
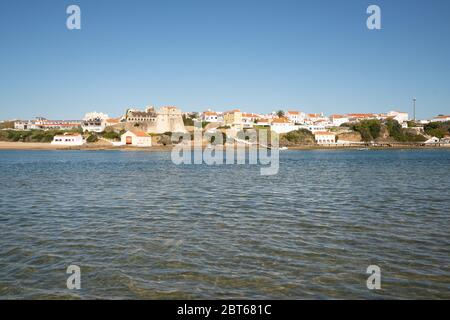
(166, 119)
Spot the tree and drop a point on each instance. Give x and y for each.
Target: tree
(369, 129)
(280, 113)
(188, 121)
(92, 138)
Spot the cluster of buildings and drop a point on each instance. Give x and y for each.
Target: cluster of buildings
(129, 138)
(137, 124)
(284, 122)
(43, 124)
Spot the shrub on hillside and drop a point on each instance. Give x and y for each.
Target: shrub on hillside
(369, 129)
(111, 135)
(298, 137)
(92, 138)
(437, 129)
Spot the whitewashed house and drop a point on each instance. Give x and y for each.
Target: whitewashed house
(337, 120)
(441, 119)
(325, 137)
(296, 116)
(313, 127)
(249, 119)
(94, 122)
(136, 138)
(211, 116)
(400, 116)
(25, 125)
(68, 139)
(282, 125)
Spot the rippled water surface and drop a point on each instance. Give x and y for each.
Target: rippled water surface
(142, 227)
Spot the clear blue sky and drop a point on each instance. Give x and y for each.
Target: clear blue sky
(254, 54)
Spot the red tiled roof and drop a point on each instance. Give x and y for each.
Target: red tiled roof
(361, 115)
(139, 133)
(280, 120)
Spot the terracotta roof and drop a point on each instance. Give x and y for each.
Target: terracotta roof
(442, 117)
(280, 120)
(210, 113)
(361, 115)
(337, 116)
(293, 112)
(139, 133)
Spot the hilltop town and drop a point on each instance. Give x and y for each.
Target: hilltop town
(152, 127)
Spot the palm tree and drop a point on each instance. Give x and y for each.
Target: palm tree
(280, 113)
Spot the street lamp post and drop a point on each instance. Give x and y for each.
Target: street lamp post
(414, 108)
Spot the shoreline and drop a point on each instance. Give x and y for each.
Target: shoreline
(36, 146)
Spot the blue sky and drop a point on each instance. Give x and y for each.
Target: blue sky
(314, 56)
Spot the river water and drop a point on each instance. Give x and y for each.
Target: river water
(141, 227)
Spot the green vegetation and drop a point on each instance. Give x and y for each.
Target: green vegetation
(400, 134)
(92, 138)
(111, 135)
(298, 137)
(30, 135)
(437, 129)
(188, 121)
(280, 113)
(369, 129)
(165, 139)
(7, 125)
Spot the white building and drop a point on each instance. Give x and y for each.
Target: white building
(68, 139)
(313, 127)
(94, 122)
(211, 116)
(282, 125)
(25, 125)
(136, 138)
(325, 137)
(296, 116)
(249, 119)
(441, 119)
(337, 120)
(401, 117)
(263, 123)
(310, 118)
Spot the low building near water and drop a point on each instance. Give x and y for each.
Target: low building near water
(68, 139)
(432, 140)
(325, 137)
(136, 138)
